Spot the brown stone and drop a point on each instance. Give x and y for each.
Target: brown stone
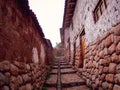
(116, 87)
(117, 78)
(112, 67)
(5, 88)
(100, 69)
(22, 88)
(105, 61)
(14, 70)
(111, 49)
(101, 54)
(110, 78)
(105, 70)
(2, 79)
(118, 48)
(26, 78)
(117, 30)
(115, 58)
(118, 68)
(100, 88)
(103, 77)
(5, 66)
(116, 39)
(110, 86)
(28, 87)
(106, 52)
(108, 41)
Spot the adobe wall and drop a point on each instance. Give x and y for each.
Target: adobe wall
(22, 47)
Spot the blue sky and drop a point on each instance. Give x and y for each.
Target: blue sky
(50, 16)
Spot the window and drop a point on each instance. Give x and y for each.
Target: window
(99, 9)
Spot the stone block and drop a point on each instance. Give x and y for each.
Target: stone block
(116, 30)
(110, 78)
(102, 77)
(100, 69)
(109, 40)
(117, 78)
(101, 54)
(3, 79)
(116, 39)
(118, 68)
(116, 87)
(118, 49)
(111, 49)
(28, 87)
(112, 67)
(14, 69)
(105, 85)
(5, 66)
(115, 58)
(105, 69)
(5, 88)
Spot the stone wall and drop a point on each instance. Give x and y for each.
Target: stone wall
(21, 76)
(102, 61)
(23, 48)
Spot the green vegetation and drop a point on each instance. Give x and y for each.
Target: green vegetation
(44, 88)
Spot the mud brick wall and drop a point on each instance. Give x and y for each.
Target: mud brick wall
(102, 61)
(23, 48)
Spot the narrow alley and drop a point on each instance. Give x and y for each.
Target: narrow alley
(86, 58)
(64, 77)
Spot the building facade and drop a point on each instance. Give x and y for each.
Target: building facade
(24, 50)
(91, 37)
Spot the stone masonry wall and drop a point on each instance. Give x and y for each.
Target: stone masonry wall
(21, 76)
(23, 54)
(102, 61)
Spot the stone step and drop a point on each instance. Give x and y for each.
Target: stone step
(81, 87)
(72, 84)
(66, 66)
(71, 72)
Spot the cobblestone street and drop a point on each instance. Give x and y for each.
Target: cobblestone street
(66, 80)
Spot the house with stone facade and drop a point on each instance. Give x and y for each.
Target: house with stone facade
(24, 50)
(91, 37)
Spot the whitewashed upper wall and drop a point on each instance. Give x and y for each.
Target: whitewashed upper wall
(83, 16)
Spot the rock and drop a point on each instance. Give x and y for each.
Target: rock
(105, 69)
(117, 30)
(2, 79)
(14, 70)
(116, 39)
(5, 66)
(20, 79)
(108, 40)
(28, 87)
(118, 68)
(110, 78)
(5, 88)
(116, 87)
(111, 49)
(100, 69)
(115, 58)
(118, 48)
(117, 78)
(105, 85)
(112, 67)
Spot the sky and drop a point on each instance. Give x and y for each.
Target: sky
(50, 17)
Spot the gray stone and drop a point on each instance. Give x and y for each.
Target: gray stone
(116, 87)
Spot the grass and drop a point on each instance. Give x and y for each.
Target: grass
(44, 88)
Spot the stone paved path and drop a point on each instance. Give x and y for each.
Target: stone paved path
(63, 77)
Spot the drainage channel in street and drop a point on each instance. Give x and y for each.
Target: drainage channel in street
(64, 77)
